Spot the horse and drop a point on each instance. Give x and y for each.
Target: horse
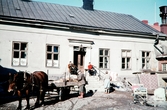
(26, 83)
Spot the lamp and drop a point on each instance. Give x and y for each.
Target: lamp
(92, 43)
(81, 48)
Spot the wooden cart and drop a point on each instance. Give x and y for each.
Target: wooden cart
(63, 88)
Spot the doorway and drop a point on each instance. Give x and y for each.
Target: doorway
(79, 58)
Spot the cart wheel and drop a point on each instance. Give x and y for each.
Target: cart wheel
(145, 102)
(60, 92)
(134, 101)
(141, 102)
(66, 91)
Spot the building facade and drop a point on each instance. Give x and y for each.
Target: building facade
(48, 40)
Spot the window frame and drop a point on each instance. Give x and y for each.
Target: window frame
(126, 65)
(19, 60)
(164, 65)
(103, 57)
(52, 61)
(146, 61)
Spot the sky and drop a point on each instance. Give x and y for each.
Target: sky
(140, 9)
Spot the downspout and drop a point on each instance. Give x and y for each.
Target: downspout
(157, 42)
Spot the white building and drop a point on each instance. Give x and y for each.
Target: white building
(43, 36)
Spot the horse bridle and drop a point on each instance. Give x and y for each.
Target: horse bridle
(25, 83)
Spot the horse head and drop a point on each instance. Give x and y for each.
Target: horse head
(18, 81)
(12, 82)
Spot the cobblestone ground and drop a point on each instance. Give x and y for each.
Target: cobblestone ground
(98, 101)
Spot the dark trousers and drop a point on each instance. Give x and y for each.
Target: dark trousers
(91, 72)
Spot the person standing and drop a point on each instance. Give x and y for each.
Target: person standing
(107, 79)
(81, 83)
(124, 82)
(69, 66)
(72, 68)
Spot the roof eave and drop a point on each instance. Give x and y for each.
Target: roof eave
(67, 26)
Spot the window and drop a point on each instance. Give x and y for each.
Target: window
(145, 59)
(52, 56)
(164, 67)
(19, 57)
(126, 59)
(104, 58)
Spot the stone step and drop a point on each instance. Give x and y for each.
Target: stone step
(94, 84)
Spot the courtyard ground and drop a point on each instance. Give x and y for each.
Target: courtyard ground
(116, 100)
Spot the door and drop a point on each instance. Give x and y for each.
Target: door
(79, 59)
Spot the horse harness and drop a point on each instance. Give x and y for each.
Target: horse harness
(27, 83)
(33, 83)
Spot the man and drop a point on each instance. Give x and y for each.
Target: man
(81, 83)
(69, 66)
(72, 68)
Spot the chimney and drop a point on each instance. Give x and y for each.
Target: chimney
(145, 21)
(163, 15)
(88, 4)
(156, 24)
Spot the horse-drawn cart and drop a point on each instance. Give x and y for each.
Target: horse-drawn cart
(38, 84)
(63, 88)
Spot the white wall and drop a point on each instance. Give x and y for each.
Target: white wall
(38, 38)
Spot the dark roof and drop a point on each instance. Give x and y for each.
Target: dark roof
(70, 15)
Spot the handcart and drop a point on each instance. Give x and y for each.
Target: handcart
(139, 94)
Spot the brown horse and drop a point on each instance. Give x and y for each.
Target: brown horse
(25, 83)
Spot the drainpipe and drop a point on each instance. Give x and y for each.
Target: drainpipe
(156, 43)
